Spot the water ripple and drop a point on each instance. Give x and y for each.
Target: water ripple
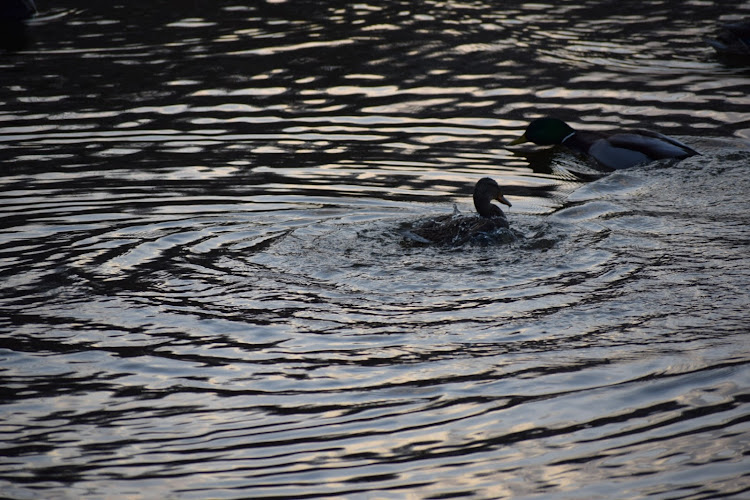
(207, 294)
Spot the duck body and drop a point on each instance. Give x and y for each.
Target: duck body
(615, 150)
(13, 30)
(457, 229)
(17, 10)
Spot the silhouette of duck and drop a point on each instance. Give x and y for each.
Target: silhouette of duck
(733, 40)
(614, 150)
(13, 16)
(457, 229)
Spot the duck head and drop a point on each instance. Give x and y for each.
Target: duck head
(545, 132)
(485, 191)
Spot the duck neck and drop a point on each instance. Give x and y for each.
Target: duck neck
(568, 137)
(578, 141)
(488, 209)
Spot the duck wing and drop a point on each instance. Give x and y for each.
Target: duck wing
(453, 230)
(652, 144)
(439, 230)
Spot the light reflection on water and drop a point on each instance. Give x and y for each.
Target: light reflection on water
(207, 294)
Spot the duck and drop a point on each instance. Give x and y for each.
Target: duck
(733, 40)
(614, 150)
(457, 229)
(13, 29)
(17, 10)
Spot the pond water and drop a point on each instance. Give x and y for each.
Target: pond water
(207, 292)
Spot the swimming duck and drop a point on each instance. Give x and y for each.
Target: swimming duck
(457, 229)
(733, 40)
(13, 30)
(614, 150)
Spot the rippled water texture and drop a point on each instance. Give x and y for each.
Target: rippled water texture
(207, 293)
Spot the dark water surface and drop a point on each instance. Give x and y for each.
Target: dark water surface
(206, 294)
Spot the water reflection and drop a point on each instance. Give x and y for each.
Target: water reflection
(207, 295)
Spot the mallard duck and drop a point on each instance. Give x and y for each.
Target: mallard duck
(17, 10)
(13, 32)
(614, 150)
(457, 229)
(733, 40)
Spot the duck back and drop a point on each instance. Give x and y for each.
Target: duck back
(655, 145)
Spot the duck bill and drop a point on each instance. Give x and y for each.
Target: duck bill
(502, 200)
(520, 140)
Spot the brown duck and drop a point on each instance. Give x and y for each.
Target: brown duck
(457, 229)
